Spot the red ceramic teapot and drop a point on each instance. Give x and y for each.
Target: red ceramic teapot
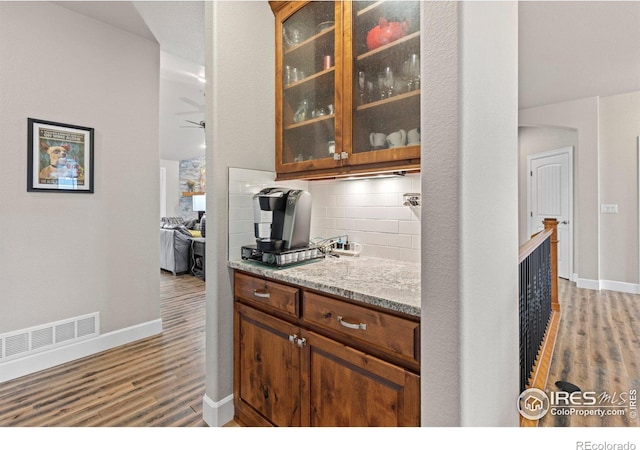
(386, 32)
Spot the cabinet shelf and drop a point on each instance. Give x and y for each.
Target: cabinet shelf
(316, 37)
(387, 101)
(308, 80)
(391, 10)
(310, 122)
(369, 8)
(410, 38)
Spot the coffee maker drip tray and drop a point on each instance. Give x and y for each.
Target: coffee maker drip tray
(281, 258)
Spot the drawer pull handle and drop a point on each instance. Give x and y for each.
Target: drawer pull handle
(262, 293)
(353, 326)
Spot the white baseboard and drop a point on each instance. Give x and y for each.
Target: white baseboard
(617, 286)
(217, 414)
(583, 283)
(620, 286)
(16, 368)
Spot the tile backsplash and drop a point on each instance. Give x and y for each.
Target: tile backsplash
(369, 211)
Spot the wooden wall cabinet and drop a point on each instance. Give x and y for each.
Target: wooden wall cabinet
(338, 97)
(299, 368)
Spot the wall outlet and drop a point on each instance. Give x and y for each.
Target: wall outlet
(609, 208)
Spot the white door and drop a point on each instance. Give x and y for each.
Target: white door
(551, 196)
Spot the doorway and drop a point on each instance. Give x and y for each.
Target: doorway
(550, 195)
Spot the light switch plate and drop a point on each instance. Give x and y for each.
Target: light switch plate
(609, 208)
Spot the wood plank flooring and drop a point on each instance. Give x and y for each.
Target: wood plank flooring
(597, 349)
(157, 382)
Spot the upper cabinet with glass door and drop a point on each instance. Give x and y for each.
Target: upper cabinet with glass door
(308, 81)
(383, 76)
(347, 87)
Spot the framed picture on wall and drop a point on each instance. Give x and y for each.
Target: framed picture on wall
(59, 158)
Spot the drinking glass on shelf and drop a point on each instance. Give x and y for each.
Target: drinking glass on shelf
(287, 75)
(388, 81)
(361, 85)
(414, 69)
(406, 75)
(381, 90)
(369, 91)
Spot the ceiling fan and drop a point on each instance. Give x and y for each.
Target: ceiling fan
(197, 124)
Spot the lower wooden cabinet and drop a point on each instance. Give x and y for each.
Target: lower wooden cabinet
(347, 388)
(287, 375)
(267, 368)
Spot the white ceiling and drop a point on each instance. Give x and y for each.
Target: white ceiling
(570, 50)
(567, 50)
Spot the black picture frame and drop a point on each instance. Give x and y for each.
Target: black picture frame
(59, 157)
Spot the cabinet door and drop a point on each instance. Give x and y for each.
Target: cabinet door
(267, 368)
(382, 74)
(347, 388)
(308, 85)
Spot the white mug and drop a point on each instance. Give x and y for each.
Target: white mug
(413, 137)
(377, 139)
(397, 138)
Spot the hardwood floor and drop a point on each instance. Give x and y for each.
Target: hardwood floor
(157, 382)
(597, 349)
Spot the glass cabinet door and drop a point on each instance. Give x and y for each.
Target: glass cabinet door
(307, 84)
(383, 75)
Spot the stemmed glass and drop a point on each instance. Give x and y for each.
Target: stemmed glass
(361, 84)
(388, 81)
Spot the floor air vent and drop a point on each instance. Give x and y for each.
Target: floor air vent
(21, 343)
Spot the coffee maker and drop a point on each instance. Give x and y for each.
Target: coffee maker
(282, 222)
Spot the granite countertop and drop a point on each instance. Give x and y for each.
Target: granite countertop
(389, 284)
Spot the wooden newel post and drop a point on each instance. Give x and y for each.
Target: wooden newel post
(552, 224)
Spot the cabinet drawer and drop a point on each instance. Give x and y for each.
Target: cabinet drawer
(274, 295)
(386, 331)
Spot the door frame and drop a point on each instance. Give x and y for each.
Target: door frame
(559, 151)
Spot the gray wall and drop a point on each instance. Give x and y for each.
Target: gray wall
(240, 55)
(619, 131)
(469, 162)
(63, 255)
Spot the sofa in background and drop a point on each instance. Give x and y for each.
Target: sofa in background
(175, 243)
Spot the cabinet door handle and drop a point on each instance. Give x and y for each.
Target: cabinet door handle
(262, 293)
(353, 326)
(301, 342)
